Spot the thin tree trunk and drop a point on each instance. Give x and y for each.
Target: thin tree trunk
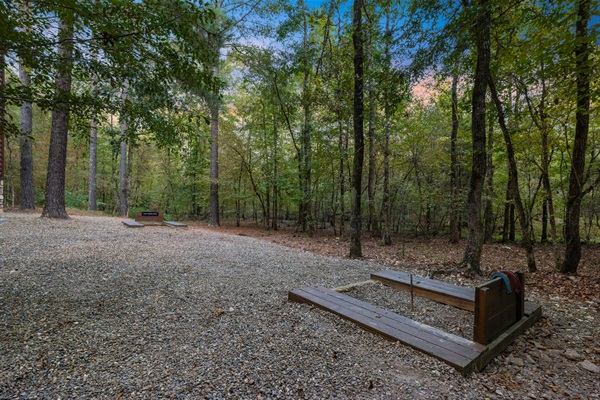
(511, 219)
(359, 150)
(541, 121)
(2, 130)
(27, 187)
(387, 238)
(306, 167)
(506, 224)
(26, 177)
(54, 207)
(474, 246)
(343, 146)
(123, 192)
(514, 179)
(454, 229)
(373, 225)
(213, 104)
(93, 184)
(275, 176)
(489, 187)
(583, 69)
(544, 237)
(93, 188)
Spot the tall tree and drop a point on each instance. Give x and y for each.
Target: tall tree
(215, 43)
(306, 144)
(583, 70)
(373, 225)
(27, 188)
(454, 227)
(359, 147)
(124, 187)
(513, 178)
(26, 151)
(474, 246)
(54, 206)
(93, 162)
(386, 206)
(2, 123)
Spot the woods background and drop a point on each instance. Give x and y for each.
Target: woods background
(248, 111)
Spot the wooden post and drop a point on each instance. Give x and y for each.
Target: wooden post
(521, 296)
(412, 296)
(480, 334)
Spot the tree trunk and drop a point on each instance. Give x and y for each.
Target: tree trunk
(387, 238)
(123, 192)
(474, 246)
(514, 179)
(306, 221)
(544, 237)
(454, 228)
(213, 104)
(2, 130)
(93, 184)
(54, 207)
(93, 188)
(506, 222)
(274, 225)
(583, 67)
(488, 214)
(359, 150)
(373, 225)
(27, 187)
(343, 147)
(511, 219)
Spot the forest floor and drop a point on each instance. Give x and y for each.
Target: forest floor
(436, 255)
(92, 309)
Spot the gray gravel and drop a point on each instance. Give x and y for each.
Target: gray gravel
(92, 309)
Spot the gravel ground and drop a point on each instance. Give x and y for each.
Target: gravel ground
(92, 309)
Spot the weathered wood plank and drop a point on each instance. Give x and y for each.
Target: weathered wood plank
(401, 281)
(133, 224)
(442, 292)
(495, 310)
(174, 224)
(453, 350)
(499, 344)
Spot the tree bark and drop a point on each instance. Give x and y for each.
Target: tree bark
(27, 187)
(213, 104)
(54, 207)
(93, 184)
(582, 116)
(488, 214)
(373, 225)
(386, 236)
(359, 150)
(124, 190)
(274, 224)
(306, 161)
(514, 179)
(454, 228)
(2, 129)
(26, 162)
(343, 147)
(474, 246)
